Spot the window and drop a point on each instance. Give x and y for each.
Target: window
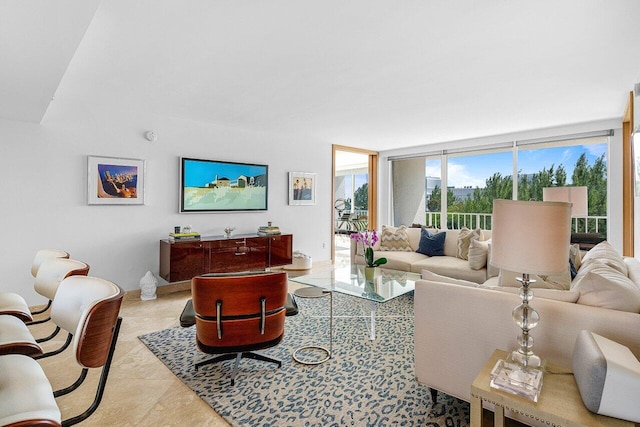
(473, 182)
(475, 178)
(568, 165)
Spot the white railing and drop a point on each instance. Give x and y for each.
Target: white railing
(357, 221)
(457, 220)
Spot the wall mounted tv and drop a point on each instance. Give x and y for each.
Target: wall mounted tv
(218, 186)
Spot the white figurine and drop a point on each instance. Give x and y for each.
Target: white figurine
(148, 285)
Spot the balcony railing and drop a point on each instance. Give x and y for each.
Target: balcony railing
(357, 221)
(458, 220)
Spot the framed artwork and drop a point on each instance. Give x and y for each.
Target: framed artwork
(302, 188)
(115, 181)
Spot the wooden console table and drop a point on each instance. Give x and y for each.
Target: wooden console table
(218, 254)
(559, 403)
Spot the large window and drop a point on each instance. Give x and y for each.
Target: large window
(473, 179)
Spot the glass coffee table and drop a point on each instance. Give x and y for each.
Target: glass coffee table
(385, 286)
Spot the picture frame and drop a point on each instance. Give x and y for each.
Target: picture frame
(115, 181)
(302, 188)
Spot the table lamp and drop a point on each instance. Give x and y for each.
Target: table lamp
(577, 196)
(532, 238)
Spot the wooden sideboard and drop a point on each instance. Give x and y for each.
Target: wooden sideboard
(218, 254)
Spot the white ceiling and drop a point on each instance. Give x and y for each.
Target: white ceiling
(377, 74)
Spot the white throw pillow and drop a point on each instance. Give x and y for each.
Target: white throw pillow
(464, 241)
(633, 267)
(600, 285)
(605, 253)
(395, 239)
(477, 255)
(491, 270)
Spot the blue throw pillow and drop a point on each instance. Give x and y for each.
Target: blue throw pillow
(572, 269)
(431, 244)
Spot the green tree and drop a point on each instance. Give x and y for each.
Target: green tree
(496, 187)
(434, 201)
(361, 197)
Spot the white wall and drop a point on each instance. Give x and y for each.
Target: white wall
(44, 175)
(614, 234)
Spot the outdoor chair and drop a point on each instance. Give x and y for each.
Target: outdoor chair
(236, 315)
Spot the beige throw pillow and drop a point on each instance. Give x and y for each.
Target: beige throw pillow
(575, 255)
(477, 255)
(464, 241)
(395, 239)
(603, 286)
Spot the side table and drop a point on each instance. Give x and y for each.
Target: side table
(559, 404)
(315, 292)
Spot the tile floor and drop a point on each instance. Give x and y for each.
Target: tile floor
(140, 390)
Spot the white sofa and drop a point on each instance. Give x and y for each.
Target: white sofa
(449, 265)
(458, 326)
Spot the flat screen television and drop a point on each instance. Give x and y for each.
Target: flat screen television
(219, 186)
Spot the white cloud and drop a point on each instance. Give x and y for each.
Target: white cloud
(432, 171)
(460, 177)
(596, 150)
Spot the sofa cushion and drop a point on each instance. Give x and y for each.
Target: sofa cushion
(464, 241)
(478, 251)
(429, 275)
(398, 260)
(605, 253)
(394, 239)
(601, 285)
(450, 267)
(431, 244)
(554, 294)
(560, 281)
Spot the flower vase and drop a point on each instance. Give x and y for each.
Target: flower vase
(370, 272)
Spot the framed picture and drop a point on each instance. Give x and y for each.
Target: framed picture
(115, 181)
(302, 188)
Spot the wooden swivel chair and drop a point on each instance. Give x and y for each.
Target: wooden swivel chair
(14, 304)
(236, 315)
(89, 307)
(15, 337)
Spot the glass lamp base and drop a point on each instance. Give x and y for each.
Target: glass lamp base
(516, 379)
(518, 358)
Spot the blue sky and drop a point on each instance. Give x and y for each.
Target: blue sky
(474, 170)
(360, 179)
(198, 173)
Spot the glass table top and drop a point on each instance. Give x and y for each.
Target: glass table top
(386, 284)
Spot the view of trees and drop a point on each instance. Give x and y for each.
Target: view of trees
(530, 188)
(361, 197)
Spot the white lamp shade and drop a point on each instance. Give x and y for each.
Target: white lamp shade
(575, 195)
(531, 237)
